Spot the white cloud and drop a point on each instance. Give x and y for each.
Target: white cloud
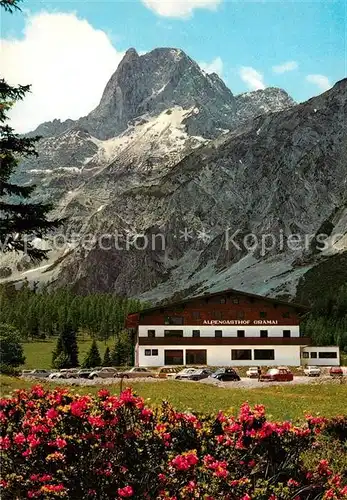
(284, 67)
(252, 78)
(179, 8)
(67, 62)
(321, 81)
(215, 66)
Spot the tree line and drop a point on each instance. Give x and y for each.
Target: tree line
(45, 314)
(326, 324)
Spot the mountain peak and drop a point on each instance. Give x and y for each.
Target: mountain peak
(147, 85)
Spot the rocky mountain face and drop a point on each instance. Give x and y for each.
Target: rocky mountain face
(174, 178)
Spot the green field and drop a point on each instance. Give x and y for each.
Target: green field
(282, 402)
(39, 354)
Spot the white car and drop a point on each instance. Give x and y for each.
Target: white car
(183, 373)
(37, 374)
(252, 372)
(312, 371)
(105, 372)
(64, 373)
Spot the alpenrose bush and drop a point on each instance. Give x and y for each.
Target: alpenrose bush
(60, 445)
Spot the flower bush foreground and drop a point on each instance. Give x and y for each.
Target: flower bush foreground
(59, 445)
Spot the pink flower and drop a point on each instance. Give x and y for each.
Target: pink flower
(19, 439)
(52, 413)
(60, 443)
(103, 393)
(292, 482)
(126, 492)
(5, 443)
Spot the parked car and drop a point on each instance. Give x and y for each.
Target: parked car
(38, 374)
(194, 374)
(312, 371)
(280, 374)
(336, 371)
(105, 372)
(167, 371)
(252, 372)
(226, 374)
(26, 372)
(64, 373)
(137, 372)
(183, 372)
(84, 373)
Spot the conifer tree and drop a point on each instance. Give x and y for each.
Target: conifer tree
(66, 351)
(115, 354)
(107, 357)
(21, 219)
(92, 358)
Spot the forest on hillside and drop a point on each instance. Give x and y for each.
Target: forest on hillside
(326, 323)
(44, 314)
(41, 315)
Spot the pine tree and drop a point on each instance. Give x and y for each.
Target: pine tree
(92, 358)
(70, 344)
(21, 220)
(66, 351)
(115, 354)
(107, 357)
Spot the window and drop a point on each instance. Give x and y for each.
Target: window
(196, 357)
(263, 334)
(174, 320)
(240, 333)
(173, 333)
(262, 314)
(196, 333)
(222, 300)
(286, 314)
(154, 352)
(217, 315)
(151, 334)
(313, 355)
(173, 357)
(241, 354)
(305, 355)
(236, 300)
(147, 352)
(286, 334)
(327, 355)
(196, 314)
(240, 315)
(267, 354)
(218, 333)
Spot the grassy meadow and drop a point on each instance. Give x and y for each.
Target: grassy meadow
(39, 354)
(282, 402)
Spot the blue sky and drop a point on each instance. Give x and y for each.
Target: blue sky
(242, 40)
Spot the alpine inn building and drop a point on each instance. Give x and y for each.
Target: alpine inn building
(229, 328)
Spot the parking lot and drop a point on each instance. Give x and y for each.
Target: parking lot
(244, 383)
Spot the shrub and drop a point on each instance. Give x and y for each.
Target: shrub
(11, 349)
(57, 444)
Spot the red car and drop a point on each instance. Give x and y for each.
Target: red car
(336, 371)
(280, 374)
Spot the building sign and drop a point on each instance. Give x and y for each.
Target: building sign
(240, 322)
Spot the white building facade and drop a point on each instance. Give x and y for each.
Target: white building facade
(229, 328)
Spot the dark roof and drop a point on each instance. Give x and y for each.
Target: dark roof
(230, 291)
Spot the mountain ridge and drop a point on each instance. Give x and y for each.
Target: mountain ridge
(172, 169)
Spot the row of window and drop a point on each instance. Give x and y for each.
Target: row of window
(217, 333)
(258, 354)
(179, 320)
(236, 355)
(321, 355)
